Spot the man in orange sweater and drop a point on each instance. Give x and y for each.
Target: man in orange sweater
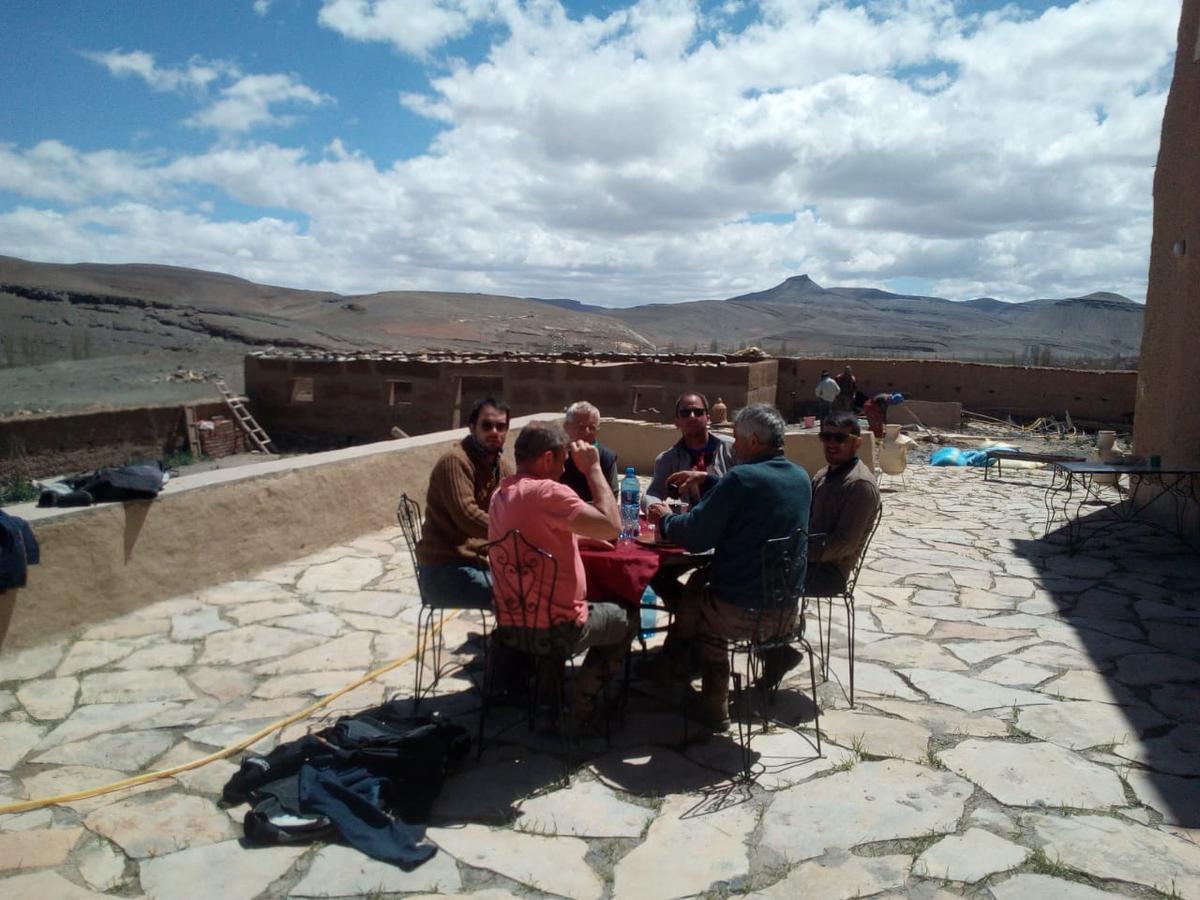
(454, 566)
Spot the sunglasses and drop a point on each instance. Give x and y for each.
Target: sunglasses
(494, 426)
(833, 437)
(691, 411)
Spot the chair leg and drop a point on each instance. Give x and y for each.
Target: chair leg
(820, 633)
(828, 644)
(744, 729)
(424, 619)
(850, 622)
(812, 674)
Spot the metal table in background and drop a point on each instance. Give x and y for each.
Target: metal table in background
(1076, 483)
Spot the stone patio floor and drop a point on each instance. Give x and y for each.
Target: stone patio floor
(1028, 725)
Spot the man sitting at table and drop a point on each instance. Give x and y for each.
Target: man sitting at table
(845, 501)
(550, 516)
(697, 450)
(454, 568)
(764, 496)
(582, 423)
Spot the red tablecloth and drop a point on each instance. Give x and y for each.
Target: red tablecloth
(620, 575)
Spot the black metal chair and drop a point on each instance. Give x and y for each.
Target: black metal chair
(847, 597)
(782, 562)
(433, 610)
(523, 582)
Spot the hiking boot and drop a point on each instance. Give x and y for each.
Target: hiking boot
(711, 706)
(777, 662)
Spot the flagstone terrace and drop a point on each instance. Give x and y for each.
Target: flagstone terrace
(1028, 725)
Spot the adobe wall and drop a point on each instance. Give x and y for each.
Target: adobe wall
(38, 446)
(103, 561)
(363, 399)
(1022, 391)
(1168, 402)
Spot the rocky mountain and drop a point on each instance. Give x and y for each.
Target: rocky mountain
(799, 316)
(78, 335)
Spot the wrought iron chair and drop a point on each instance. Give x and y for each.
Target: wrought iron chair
(782, 565)
(847, 597)
(433, 610)
(523, 581)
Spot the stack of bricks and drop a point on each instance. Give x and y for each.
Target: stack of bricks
(224, 439)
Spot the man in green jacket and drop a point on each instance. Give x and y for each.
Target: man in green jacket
(764, 496)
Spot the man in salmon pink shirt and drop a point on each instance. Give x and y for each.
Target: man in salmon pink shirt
(553, 517)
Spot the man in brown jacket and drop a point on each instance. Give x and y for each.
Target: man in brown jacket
(454, 567)
(845, 501)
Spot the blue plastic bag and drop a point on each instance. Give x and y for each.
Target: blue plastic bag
(947, 456)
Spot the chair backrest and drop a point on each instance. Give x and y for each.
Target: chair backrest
(408, 511)
(523, 580)
(782, 569)
(862, 554)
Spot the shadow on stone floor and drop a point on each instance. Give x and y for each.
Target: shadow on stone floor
(1129, 599)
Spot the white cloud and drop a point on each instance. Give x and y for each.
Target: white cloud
(411, 26)
(262, 7)
(618, 158)
(243, 102)
(248, 102)
(197, 75)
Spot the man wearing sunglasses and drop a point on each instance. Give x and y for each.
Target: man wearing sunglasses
(845, 500)
(454, 567)
(697, 450)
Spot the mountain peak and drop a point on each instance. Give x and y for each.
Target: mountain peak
(802, 281)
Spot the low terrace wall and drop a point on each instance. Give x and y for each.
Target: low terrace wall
(107, 560)
(638, 443)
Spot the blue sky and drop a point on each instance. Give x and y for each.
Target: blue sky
(613, 152)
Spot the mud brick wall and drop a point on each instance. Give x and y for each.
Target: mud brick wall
(39, 446)
(355, 400)
(1022, 391)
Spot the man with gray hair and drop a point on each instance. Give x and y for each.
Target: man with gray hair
(582, 423)
(763, 496)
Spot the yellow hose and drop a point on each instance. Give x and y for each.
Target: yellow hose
(27, 805)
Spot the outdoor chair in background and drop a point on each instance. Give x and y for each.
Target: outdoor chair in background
(846, 595)
(782, 564)
(431, 616)
(523, 581)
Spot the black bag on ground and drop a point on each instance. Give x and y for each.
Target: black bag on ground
(369, 780)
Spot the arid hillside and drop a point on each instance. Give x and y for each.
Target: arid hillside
(76, 336)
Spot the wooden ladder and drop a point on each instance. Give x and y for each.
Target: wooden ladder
(253, 430)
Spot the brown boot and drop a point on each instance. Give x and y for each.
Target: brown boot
(711, 706)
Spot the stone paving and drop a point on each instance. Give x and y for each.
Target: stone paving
(1028, 725)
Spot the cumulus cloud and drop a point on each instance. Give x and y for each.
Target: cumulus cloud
(197, 75)
(411, 26)
(243, 101)
(249, 102)
(660, 152)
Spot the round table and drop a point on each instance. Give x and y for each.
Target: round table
(620, 575)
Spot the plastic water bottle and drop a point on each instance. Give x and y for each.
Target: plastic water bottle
(630, 495)
(649, 613)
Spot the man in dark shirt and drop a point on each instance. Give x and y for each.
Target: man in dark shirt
(764, 496)
(847, 388)
(845, 502)
(582, 423)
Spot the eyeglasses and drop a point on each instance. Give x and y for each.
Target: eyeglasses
(493, 426)
(834, 437)
(692, 411)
